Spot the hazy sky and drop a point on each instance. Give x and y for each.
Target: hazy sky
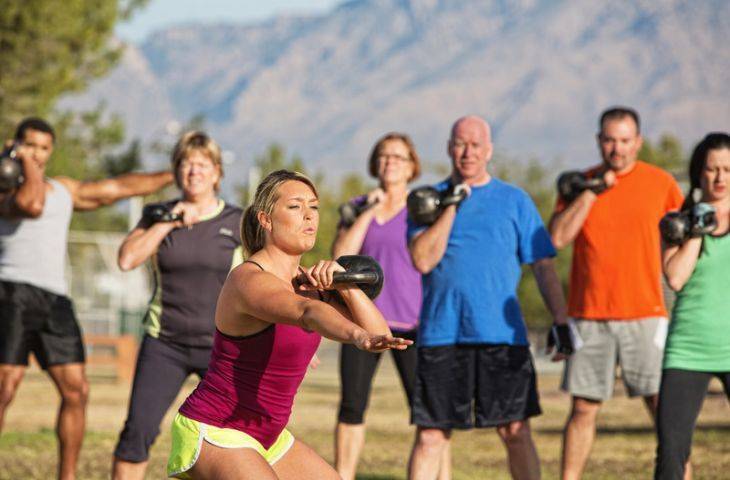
(161, 13)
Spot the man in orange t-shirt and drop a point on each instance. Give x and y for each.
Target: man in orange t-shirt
(615, 297)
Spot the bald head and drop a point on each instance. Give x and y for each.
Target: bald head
(474, 123)
(470, 149)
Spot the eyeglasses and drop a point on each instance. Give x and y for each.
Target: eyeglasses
(202, 165)
(385, 156)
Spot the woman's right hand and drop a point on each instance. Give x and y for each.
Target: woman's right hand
(319, 276)
(380, 343)
(188, 212)
(375, 196)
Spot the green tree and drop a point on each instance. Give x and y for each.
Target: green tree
(666, 152)
(331, 198)
(48, 48)
(83, 140)
(275, 158)
(87, 147)
(125, 161)
(174, 129)
(51, 47)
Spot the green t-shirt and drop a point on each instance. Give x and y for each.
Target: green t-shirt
(699, 334)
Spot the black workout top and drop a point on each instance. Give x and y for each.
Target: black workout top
(190, 267)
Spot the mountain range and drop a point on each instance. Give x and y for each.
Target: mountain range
(327, 86)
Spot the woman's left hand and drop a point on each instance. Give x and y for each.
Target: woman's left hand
(380, 343)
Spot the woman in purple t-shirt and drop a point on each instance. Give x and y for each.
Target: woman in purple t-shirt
(379, 231)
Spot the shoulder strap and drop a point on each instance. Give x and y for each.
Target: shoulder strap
(255, 263)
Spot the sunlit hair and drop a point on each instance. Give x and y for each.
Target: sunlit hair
(196, 141)
(412, 155)
(267, 193)
(619, 113)
(698, 160)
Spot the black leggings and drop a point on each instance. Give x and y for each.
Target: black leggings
(357, 369)
(162, 368)
(680, 399)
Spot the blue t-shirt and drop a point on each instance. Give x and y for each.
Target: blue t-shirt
(470, 297)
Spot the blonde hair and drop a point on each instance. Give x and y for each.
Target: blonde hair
(196, 141)
(253, 236)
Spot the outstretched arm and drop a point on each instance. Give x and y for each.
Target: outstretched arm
(264, 296)
(354, 305)
(91, 195)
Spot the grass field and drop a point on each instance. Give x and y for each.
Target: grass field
(624, 448)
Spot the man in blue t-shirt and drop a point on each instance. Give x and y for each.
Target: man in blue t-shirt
(474, 364)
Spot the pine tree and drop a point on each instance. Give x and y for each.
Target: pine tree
(51, 47)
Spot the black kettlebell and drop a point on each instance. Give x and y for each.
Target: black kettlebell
(574, 182)
(678, 227)
(11, 170)
(362, 270)
(425, 204)
(157, 212)
(349, 212)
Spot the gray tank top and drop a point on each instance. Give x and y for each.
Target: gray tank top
(33, 250)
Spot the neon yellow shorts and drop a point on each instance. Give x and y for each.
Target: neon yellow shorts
(188, 436)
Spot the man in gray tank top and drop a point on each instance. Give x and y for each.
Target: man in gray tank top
(35, 313)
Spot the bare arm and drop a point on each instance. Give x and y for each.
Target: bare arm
(94, 194)
(361, 310)
(357, 307)
(678, 262)
(141, 243)
(268, 298)
(428, 247)
(566, 225)
(552, 292)
(349, 240)
(30, 198)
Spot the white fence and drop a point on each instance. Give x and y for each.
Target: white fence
(107, 300)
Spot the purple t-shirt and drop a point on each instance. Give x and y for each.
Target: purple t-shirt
(400, 299)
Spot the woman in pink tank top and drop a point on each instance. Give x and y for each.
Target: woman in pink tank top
(269, 324)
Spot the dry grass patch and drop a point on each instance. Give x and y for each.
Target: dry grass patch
(624, 447)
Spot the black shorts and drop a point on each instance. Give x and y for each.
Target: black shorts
(38, 321)
(466, 386)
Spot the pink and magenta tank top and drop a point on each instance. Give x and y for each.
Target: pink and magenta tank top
(251, 381)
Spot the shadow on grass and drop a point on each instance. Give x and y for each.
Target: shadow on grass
(638, 430)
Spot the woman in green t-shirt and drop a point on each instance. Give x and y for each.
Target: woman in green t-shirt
(698, 344)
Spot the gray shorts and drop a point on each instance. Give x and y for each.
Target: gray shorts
(637, 346)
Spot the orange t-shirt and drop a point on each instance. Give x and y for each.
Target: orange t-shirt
(616, 270)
